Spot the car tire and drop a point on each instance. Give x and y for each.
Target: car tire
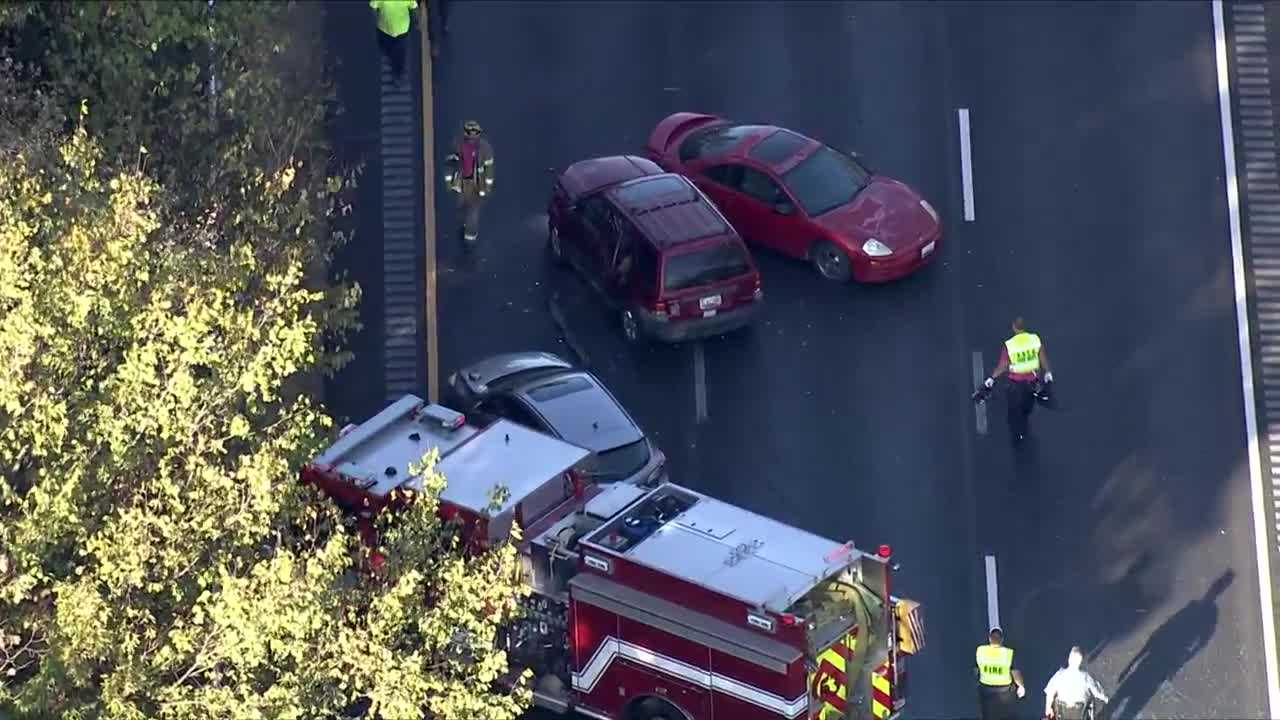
(830, 261)
(554, 248)
(630, 326)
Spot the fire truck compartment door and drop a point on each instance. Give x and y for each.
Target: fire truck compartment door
(679, 620)
(830, 684)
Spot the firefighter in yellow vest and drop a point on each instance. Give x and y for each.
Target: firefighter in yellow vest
(469, 172)
(1022, 357)
(999, 683)
(393, 32)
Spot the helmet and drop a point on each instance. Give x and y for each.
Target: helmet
(471, 127)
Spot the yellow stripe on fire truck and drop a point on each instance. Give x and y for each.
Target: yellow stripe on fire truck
(881, 692)
(829, 680)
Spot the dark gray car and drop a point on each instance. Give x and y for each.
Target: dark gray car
(547, 393)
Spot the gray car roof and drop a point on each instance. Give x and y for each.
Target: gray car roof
(496, 367)
(588, 415)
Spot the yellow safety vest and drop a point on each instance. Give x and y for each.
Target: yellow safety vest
(393, 15)
(1024, 352)
(995, 665)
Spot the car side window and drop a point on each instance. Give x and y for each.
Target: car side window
(622, 252)
(727, 175)
(645, 272)
(511, 409)
(595, 211)
(761, 187)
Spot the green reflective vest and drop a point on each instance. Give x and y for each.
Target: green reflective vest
(393, 15)
(995, 665)
(1024, 352)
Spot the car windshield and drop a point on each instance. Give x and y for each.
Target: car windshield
(826, 180)
(705, 265)
(621, 462)
(715, 140)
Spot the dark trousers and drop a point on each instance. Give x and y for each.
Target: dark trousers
(997, 703)
(1022, 400)
(394, 48)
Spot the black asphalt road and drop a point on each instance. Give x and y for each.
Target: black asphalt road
(356, 392)
(1100, 217)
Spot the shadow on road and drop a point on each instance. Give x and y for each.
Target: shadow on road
(1170, 647)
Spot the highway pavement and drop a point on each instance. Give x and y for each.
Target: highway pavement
(1125, 525)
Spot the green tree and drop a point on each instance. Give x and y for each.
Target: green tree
(159, 557)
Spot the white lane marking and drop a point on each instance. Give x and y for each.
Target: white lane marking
(700, 381)
(966, 163)
(979, 409)
(993, 594)
(1246, 363)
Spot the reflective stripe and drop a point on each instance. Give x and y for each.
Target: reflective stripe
(829, 681)
(585, 681)
(1024, 352)
(881, 692)
(995, 665)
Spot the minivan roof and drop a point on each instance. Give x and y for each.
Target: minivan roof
(586, 176)
(669, 210)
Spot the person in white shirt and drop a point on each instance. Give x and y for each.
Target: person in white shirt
(1071, 689)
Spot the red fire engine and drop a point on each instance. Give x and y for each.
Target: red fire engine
(651, 603)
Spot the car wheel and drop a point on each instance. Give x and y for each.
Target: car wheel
(830, 261)
(553, 244)
(630, 326)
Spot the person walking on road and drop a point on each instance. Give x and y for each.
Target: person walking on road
(1022, 357)
(393, 32)
(998, 681)
(1071, 690)
(469, 172)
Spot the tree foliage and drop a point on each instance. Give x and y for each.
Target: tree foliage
(158, 557)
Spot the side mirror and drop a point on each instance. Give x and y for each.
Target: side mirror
(782, 207)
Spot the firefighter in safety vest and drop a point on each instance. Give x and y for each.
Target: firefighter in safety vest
(469, 173)
(998, 680)
(1022, 357)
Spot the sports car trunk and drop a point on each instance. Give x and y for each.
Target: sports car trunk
(848, 623)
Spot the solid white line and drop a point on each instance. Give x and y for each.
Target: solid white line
(966, 163)
(700, 381)
(979, 409)
(1246, 365)
(993, 594)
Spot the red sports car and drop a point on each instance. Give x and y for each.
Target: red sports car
(800, 197)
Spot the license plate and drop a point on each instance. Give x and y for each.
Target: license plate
(709, 302)
(709, 313)
(927, 248)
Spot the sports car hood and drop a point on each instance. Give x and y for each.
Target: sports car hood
(886, 210)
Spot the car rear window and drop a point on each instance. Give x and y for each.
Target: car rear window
(705, 265)
(715, 140)
(777, 147)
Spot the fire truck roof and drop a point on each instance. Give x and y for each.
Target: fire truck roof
(722, 547)
(474, 461)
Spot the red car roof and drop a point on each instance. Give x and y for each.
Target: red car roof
(587, 176)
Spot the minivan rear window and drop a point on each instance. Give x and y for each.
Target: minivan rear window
(705, 265)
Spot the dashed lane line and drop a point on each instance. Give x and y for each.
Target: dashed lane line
(966, 163)
(1260, 175)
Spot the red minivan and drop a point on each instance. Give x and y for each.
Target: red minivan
(661, 255)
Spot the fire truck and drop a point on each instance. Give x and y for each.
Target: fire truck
(649, 602)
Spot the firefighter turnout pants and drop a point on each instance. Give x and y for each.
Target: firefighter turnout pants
(470, 201)
(997, 703)
(1063, 711)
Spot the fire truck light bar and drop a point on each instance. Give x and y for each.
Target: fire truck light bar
(443, 416)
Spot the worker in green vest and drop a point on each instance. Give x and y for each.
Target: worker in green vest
(1022, 357)
(393, 31)
(999, 682)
